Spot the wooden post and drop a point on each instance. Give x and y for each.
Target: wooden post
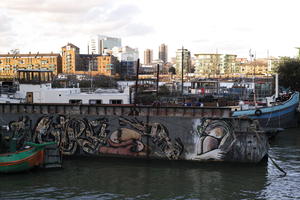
(157, 80)
(182, 55)
(136, 81)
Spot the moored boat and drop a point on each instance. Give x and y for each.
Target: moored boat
(279, 115)
(23, 160)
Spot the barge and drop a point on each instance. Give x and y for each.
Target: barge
(172, 133)
(87, 126)
(281, 114)
(23, 160)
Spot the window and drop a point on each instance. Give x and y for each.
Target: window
(115, 101)
(43, 62)
(95, 101)
(75, 101)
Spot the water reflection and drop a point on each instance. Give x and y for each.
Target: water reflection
(115, 179)
(286, 150)
(92, 178)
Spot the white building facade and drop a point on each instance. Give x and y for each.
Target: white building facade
(100, 44)
(44, 93)
(126, 53)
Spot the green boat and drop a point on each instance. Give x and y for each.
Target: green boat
(23, 160)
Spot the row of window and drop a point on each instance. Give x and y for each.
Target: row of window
(51, 60)
(96, 101)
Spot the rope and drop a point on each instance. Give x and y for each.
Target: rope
(269, 118)
(277, 166)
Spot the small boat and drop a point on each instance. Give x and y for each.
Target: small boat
(279, 115)
(23, 160)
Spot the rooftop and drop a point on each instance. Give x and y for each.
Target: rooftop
(29, 55)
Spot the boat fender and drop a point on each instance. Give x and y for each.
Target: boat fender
(258, 112)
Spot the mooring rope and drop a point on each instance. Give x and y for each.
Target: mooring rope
(277, 166)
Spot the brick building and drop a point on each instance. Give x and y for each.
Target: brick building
(94, 64)
(10, 63)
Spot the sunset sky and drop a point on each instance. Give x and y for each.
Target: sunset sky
(202, 26)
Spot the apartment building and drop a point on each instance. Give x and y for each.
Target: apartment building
(92, 64)
(183, 56)
(10, 63)
(163, 53)
(148, 57)
(215, 64)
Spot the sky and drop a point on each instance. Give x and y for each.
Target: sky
(267, 27)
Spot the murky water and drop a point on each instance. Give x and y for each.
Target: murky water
(92, 178)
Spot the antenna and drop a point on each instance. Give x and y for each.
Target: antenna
(251, 55)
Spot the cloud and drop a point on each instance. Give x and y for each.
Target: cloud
(5, 29)
(53, 6)
(200, 41)
(137, 29)
(53, 21)
(5, 20)
(198, 25)
(124, 12)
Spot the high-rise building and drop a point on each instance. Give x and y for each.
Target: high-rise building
(183, 56)
(126, 53)
(298, 56)
(148, 56)
(127, 57)
(70, 58)
(101, 44)
(163, 53)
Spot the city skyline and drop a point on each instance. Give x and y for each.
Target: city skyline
(231, 27)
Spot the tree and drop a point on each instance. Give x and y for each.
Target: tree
(102, 81)
(289, 73)
(164, 90)
(172, 70)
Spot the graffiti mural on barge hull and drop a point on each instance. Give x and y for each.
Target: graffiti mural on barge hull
(20, 130)
(157, 133)
(213, 139)
(69, 133)
(198, 139)
(132, 138)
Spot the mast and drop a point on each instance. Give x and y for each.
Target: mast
(253, 77)
(182, 55)
(136, 81)
(218, 72)
(157, 80)
(91, 66)
(276, 86)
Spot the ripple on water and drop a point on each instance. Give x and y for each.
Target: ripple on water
(137, 180)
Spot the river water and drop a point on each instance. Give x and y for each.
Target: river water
(92, 178)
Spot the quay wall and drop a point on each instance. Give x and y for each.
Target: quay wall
(174, 133)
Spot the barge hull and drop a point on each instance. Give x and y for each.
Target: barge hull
(172, 133)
